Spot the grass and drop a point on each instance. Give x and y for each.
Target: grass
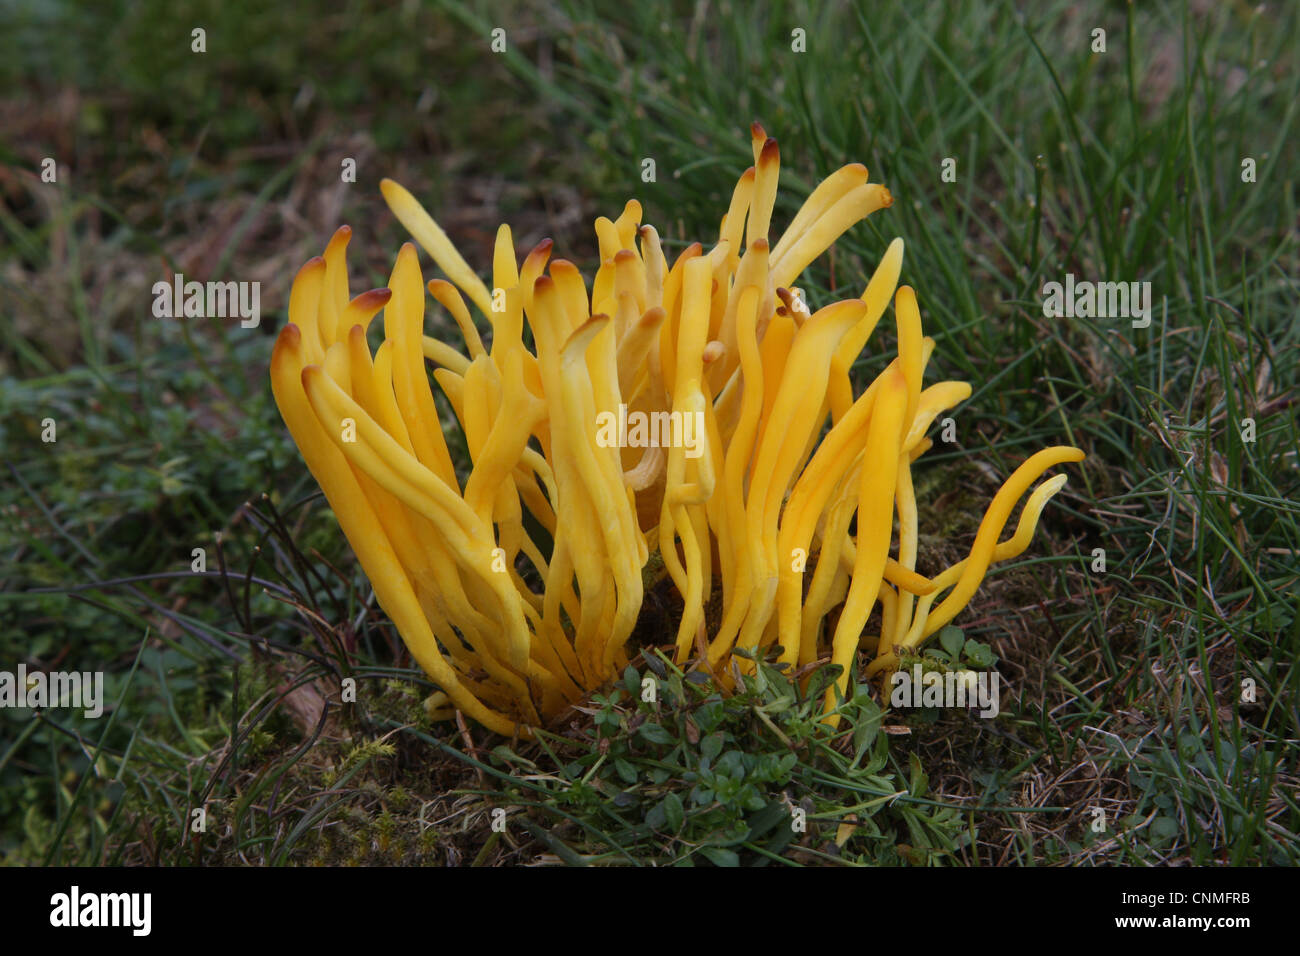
(1125, 684)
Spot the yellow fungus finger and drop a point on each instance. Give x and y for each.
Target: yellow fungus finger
(935, 399)
(334, 290)
(1010, 548)
(768, 169)
(826, 195)
(361, 527)
(627, 222)
(908, 538)
(905, 579)
(877, 295)
(733, 223)
(875, 527)
(448, 296)
(429, 234)
(635, 347)
(855, 206)
(986, 538)
(304, 307)
(403, 325)
(828, 192)
(505, 268)
(363, 308)
(444, 355)
(383, 460)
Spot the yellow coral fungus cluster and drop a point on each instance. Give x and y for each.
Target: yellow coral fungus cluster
(517, 588)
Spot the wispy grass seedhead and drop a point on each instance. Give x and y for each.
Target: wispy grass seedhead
(758, 507)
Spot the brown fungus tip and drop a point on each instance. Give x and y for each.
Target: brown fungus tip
(653, 317)
(309, 372)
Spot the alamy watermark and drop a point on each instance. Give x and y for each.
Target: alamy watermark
(1100, 300)
(210, 300)
(946, 689)
(639, 429)
(75, 909)
(84, 690)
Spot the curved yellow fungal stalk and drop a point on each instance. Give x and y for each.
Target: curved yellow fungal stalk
(701, 409)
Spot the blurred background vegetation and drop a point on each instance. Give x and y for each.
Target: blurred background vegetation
(223, 688)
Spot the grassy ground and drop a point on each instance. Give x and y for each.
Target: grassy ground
(1125, 685)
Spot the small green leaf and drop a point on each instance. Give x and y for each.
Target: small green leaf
(655, 733)
(951, 640)
(979, 656)
(1164, 828)
(674, 812)
(919, 777)
(657, 816)
(732, 764)
(720, 856)
(770, 816)
(711, 746)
